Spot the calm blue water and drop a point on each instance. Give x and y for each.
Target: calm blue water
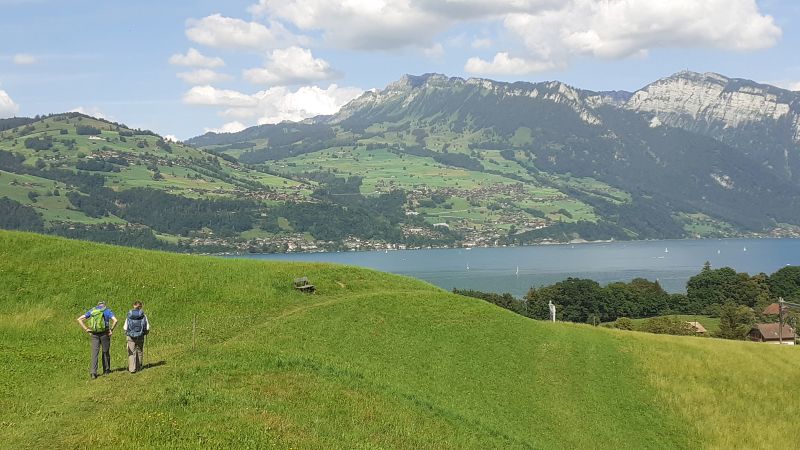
(495, 269)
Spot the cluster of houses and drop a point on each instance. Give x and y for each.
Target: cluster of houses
(774, 333)
(771, 333)
(292, 243)
(289, 194)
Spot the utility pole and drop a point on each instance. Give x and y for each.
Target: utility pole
(780, 320)
(781, 305)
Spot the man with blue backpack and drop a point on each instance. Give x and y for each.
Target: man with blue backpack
(99, 322)
(136, 328)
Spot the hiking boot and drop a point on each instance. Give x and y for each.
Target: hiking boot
(107, 372)
(93, 375)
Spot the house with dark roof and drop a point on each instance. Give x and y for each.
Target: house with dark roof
(768, 332)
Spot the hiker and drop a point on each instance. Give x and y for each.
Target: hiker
(136, 328)
(99, 322)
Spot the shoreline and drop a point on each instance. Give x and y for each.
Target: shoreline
(537, 244)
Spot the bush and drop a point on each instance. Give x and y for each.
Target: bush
(16, 216)
(86, 130)
(667, 325)
(623, 323)
(36, 143)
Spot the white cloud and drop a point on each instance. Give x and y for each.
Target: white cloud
(203, 77)
(503, 64)
(436, 51)
(171, 138)
(623, 28)
(275, 104)
(8, 108)
(481, 43)
(193, 58)
(92, 111)
(24, 59)
(230, 127)
(226, 32)
(360, 24)
(293, 65)
(554, 31)
(279, 104)
(211, 96)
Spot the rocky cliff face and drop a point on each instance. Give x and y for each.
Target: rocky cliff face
(707, 103)
(410, 88)
(702, 101)
(761, 120)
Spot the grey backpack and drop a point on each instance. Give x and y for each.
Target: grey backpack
(137, 326)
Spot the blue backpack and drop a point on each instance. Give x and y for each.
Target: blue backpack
(136, 324)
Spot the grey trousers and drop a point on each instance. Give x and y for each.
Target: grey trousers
(99, 340)
(135, 353)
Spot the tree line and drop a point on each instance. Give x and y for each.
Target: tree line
(735, 297)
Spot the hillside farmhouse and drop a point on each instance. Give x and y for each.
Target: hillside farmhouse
(768, 332)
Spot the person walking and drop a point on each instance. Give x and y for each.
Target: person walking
(136, 328)
(99, 322)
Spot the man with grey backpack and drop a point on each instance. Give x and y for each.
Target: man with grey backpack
(136, 328)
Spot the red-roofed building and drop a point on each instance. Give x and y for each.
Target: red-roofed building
(772, 310)
(768, 332)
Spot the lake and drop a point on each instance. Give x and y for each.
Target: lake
(515, 269)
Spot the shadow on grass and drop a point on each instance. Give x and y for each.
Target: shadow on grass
(146, 366)
(154, 364)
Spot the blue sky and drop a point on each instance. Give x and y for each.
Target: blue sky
(183, 67)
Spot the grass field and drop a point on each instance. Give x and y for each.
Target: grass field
(371, 360)
(377, 166)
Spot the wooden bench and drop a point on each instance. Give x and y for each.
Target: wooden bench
(302, 285)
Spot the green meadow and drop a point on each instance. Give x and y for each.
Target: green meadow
(238, 359)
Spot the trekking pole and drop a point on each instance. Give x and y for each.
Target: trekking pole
(194, 330)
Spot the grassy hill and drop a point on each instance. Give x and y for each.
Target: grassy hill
(82, 173)
(370, 360)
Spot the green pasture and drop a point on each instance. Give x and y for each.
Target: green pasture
(238, 359)
(381, 168)
(699, 224)
(52, 208)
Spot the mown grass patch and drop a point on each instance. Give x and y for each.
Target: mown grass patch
(711, 324)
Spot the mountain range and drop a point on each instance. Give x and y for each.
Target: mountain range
(435, 160)
(687, 146)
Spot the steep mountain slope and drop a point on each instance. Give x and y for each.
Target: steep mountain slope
(549, 132)
(237, 359)
(761, 120)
